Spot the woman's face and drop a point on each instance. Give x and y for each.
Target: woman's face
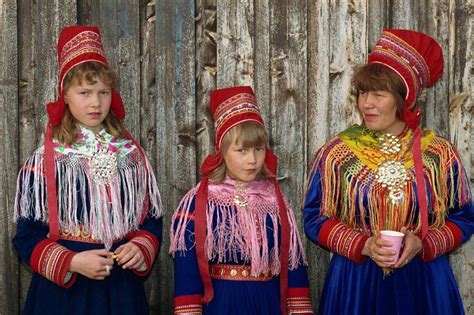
(379, 111)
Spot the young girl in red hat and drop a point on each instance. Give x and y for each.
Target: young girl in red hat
(388, 174)
(234, 237)
(87, 205)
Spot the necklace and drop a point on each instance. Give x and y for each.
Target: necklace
(391, 172)
(103, 164)
(240, 197)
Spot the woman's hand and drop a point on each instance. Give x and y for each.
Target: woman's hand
(411, 247)
(94, 264)
(129, 256)
(376, 248)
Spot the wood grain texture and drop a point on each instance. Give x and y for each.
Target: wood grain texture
(9, 268)
(175, 119)
(461, 87)
(298, 56)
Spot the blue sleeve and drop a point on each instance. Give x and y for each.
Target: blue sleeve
(187, 280)
(312, 206)
(28, 234)
(462, 216)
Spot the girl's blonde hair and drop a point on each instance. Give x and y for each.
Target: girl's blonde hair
(249, 134)
(66, 131)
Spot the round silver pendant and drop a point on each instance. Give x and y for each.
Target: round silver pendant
(103, 166)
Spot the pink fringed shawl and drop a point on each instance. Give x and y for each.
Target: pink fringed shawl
(235, 230)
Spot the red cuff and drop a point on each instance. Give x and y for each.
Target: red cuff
(52, 261)
(299, 301)
(441, 241)
(188, 304)
(343, 240)
(149, 246)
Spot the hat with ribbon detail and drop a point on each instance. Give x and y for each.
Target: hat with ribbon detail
(418, 60)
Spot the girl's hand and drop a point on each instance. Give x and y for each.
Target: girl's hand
(129, 256)
(376, 249)
(411, 247)
(94, 264)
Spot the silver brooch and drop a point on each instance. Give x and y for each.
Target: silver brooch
(240, 197)
(392, 173)
(103, 164)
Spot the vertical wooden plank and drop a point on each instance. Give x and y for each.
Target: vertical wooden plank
(148, 80)
(405, 14)
(119, 24)
(148, 130)
(288, 99)
(175, 116)
(435, 100)
(9, 268)
(377, 20)
(288, 42)
(235, 45)
(347, 49)
(206, 67)
(317, 125)
(461, 87)
(262, 70)
(39, 24)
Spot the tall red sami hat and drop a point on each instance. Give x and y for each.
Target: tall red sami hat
(416, 58)
(229, 107)
(76, 45)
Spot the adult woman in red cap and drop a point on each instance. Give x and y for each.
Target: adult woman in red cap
(388, 174)
(87, 199)
(234, 238)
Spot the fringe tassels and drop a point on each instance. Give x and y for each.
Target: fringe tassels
(107, 212)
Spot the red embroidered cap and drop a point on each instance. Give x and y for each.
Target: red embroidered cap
(77, 45)
(229, 107)
(416, 58)
(232, 106)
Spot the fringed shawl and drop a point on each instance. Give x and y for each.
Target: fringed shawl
(235, 231)
(107, 211)
(347, 166)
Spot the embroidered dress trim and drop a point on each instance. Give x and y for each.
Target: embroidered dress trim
(149, 247)
(299, 301)
(343, 240)
(188, 305)
(441, 241)
(52, 261)
(236, 273)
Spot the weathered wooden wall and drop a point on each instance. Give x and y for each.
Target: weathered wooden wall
(298, 55)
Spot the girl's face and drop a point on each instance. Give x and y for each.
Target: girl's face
(89, 103)
(379, 111)
(243, 163)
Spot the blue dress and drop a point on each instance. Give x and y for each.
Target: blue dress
(354, 283)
